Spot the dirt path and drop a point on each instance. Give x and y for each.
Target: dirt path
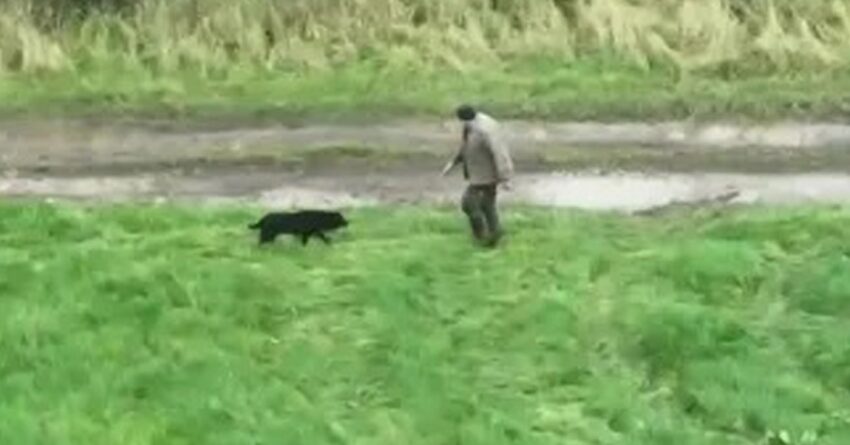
(274, 189)
(63, 147)
(627, 167)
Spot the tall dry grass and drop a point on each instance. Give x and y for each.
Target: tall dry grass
(213, 35)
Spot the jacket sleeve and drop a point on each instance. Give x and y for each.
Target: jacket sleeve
(501, 157)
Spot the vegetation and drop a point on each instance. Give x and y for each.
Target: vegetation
(168, 325)
(550, 58)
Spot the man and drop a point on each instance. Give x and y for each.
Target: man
(486, 164)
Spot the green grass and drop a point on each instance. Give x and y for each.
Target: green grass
(348, 59)
(587, 89)
(167, 325)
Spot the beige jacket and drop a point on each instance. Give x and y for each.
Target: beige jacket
(484, 154)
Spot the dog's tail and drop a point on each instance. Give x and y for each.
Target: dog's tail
(255, 226)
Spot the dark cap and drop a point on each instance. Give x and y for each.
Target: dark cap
(466, 112)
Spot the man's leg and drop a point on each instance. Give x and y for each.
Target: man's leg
(491, 213)
(471, 205)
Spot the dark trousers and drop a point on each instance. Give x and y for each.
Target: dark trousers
(479, 205)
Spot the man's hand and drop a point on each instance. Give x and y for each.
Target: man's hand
(448, 168)
(451, 164)
(506, 185)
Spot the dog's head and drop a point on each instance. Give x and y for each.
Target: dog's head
(340, 220)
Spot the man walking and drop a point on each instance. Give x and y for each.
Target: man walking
(486, 164)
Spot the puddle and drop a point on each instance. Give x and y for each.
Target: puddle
(622, 192)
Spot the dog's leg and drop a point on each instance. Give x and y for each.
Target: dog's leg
(323, 237)
(266, 237)
(305, 238)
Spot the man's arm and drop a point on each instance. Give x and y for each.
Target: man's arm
(451, 164)
(459, 156)
(501, 158)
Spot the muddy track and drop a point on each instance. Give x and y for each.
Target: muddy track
(632, 167)
(624, 191)
(63, 146)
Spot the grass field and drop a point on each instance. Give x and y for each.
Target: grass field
(345, 59)
(167, 325)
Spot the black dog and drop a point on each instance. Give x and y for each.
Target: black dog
(305, 224)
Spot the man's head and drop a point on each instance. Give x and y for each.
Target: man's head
(466, 113)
